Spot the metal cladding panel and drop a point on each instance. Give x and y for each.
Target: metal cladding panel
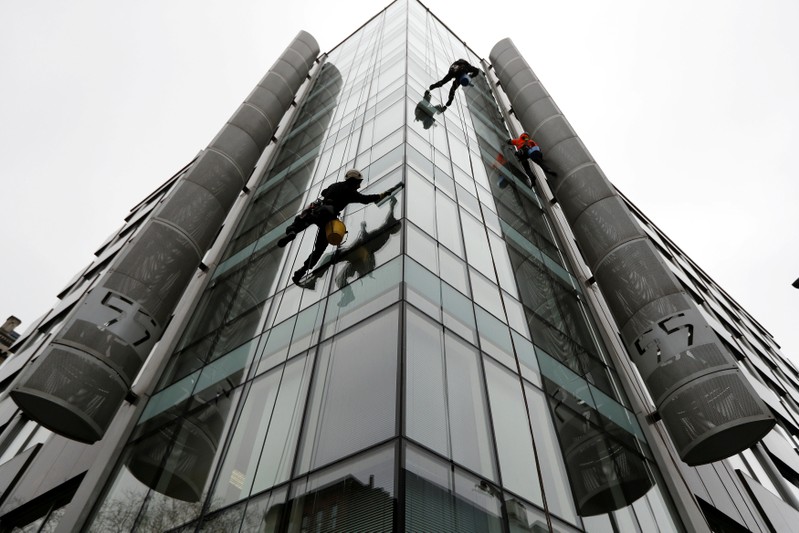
(218, 175)
(239, 146)
(581, 188)
(709, 409)
(540, 112)
(529, 93)
(161, 258)
(277, 87)
(267, 101)
(626, 278)
(120, 355)
(288, 72)
(602, 224)
(554, 131)
(11, 470)
(652, 312)
(605, 471)
(714, 417)
(81, 379)
(528, 85)
(71, 393)
(252, 120)
(197, 213)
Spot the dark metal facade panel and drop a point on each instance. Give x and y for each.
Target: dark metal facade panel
(58, 461)
(581, 188)
(11, 470)
(199, 214)
(601, 223)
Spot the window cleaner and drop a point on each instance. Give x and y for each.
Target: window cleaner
(327, 210)
(461, 72)
(528, 149)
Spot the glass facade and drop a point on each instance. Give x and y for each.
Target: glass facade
(442, 370)
(438, 372)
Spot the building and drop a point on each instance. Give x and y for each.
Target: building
(460, 363)
(8, 335)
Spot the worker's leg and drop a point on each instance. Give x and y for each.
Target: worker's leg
(318, 249)
(452, 90)
(538, 158)
(441, 83)
(300, 223)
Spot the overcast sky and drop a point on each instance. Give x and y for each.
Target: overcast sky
(690, 107)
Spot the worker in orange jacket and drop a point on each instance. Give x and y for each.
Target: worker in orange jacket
(528, 149)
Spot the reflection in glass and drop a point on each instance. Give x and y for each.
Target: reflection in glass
(353, 402)
(512, 429)
(357, 257)
(425, 112)
(357, 495)
(261, 451)
(175, 455)
(442, 499)
(605, 471)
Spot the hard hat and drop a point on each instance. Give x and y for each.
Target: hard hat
(525, 135)
(353, 174)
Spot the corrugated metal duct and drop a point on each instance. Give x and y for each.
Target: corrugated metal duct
(77, 384)
(706, 404)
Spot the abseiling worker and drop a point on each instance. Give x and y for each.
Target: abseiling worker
(334, 199)
(528, 149)
(460, 72)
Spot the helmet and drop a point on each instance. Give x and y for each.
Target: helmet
(353, 174)
(524, 135)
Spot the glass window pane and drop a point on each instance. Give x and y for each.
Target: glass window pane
(495, 338)
(525, 352)
(264, 512)
(468, 409)
(274, 464)
(454, 271)
(421, 202)
(363, 298)
(512, 429)
(478, 253)
(423, 289)
(458, 313)
(553, 470)
(487, 294)
(449, 230)
(356, 495)
(422, 247)
(239, 466)
(439, 499)
(353, 402)
(425, 398)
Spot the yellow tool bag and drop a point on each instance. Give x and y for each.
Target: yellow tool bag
(335, 231)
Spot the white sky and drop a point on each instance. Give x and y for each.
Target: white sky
(691, 109)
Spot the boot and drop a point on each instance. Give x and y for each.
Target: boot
(285, 239)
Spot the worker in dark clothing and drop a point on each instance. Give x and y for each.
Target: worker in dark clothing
(459, 72)
(528, 149)
(334, 199)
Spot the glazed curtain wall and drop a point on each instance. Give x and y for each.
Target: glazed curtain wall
(429, 375)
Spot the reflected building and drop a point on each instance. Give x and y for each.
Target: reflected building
(465, 361)
(8, 335)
